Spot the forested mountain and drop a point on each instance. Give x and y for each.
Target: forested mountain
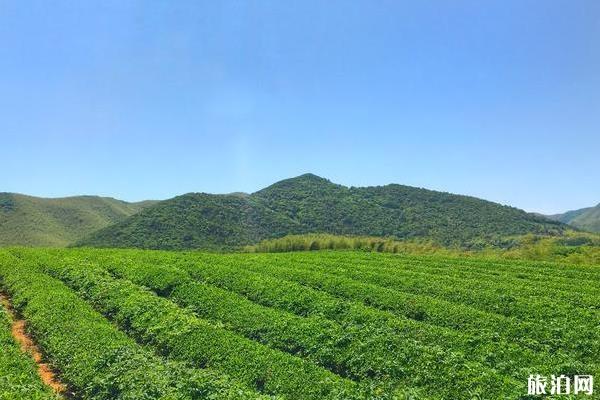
(308, 204)
(35, 221)
(196, 220)
(586, 218)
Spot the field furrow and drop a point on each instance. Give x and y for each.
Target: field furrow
(19, 378)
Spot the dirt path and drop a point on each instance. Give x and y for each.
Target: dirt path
(19, 332)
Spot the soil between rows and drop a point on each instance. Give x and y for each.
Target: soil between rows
(19, 333)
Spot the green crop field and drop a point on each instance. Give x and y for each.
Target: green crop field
(141, 324)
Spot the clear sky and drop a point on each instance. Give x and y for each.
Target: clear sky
(150, 99)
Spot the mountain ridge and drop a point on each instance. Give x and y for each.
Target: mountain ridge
(312, 204)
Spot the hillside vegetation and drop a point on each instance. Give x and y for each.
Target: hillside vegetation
(35, 221)
(586, 218)
(577, 248)
(310, 204)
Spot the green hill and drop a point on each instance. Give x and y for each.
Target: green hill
(310, 204)
(196, 220)
(35, 221)
(586, 218)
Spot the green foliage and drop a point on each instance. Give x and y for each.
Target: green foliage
(391, 289)
(308, 325)
(571, 247)
(322, 241)
(349, 350)
(18, 376)
(94, 359)
(195, 220)
(488, 335)
(171, 330)
(283, 282)
(309, 204)
(577, 248)
(34, 221)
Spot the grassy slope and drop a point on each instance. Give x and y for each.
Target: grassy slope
(311, 204)
(34, 221)
(585, 218)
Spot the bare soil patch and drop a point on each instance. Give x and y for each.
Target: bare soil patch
(27, 344)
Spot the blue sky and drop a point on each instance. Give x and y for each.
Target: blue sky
(150, 99)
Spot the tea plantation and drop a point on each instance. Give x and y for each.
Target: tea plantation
(142, 324)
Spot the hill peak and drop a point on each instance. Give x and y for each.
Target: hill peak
(306, 178)
(303, 182)
(310, 176)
